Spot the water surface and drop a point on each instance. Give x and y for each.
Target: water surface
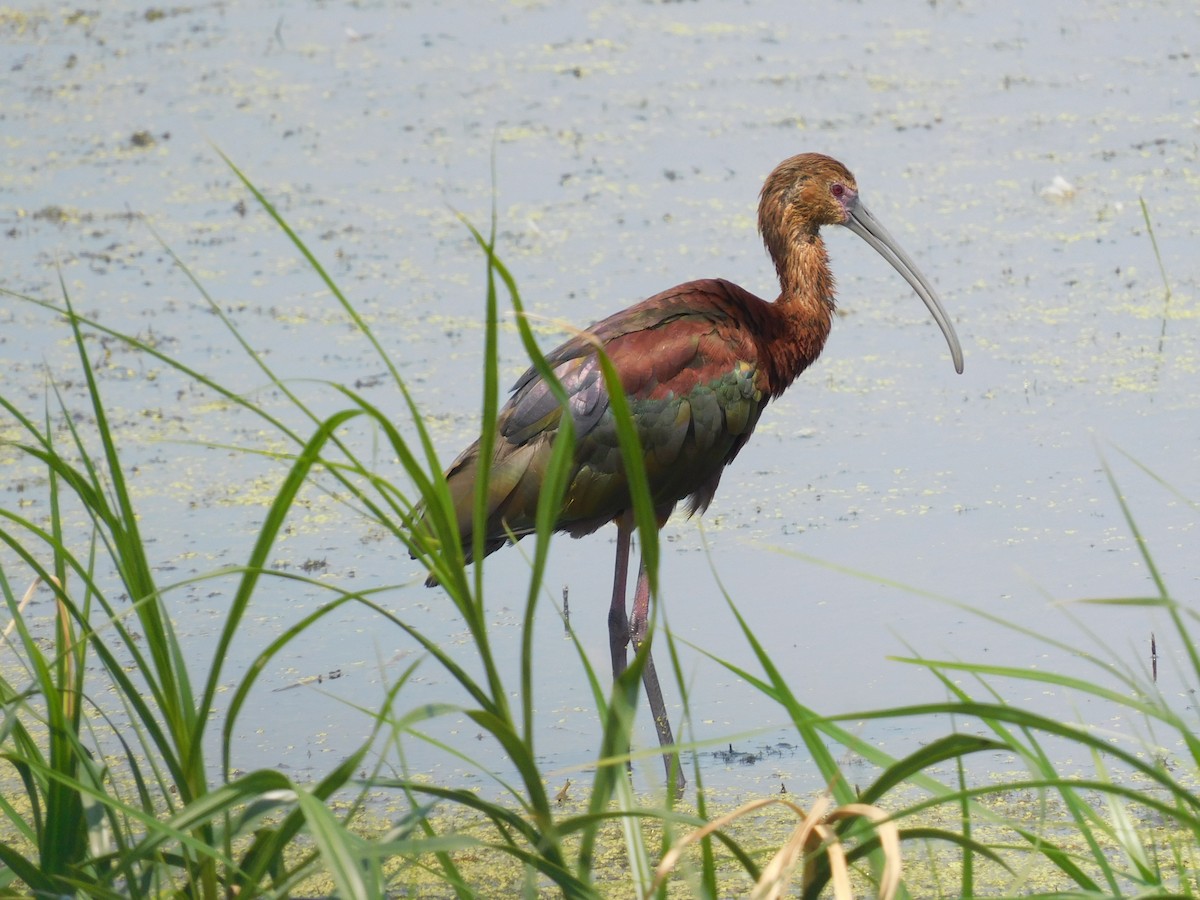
(626, 143)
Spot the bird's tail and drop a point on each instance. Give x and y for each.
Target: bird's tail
(514, 485)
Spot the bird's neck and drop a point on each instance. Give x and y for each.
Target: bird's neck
(804, 309)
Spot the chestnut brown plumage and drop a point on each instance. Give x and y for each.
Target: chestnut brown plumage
(698, 363)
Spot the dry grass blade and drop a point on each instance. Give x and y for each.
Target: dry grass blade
(808, 836)
(889, 842)
(812, 838)
(34, 585)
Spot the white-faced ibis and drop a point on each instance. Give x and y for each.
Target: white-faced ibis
(698, 364)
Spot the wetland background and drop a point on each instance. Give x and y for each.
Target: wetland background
(1006, 146)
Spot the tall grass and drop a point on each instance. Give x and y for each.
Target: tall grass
(109, 791)
(195, 825)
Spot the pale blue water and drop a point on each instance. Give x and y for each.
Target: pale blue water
(629, 142)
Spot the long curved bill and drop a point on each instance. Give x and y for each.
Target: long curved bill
(867, 227)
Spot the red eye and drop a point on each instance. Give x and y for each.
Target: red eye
(838, 190)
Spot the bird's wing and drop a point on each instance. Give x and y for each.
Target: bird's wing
(670, 346)
(690, 372)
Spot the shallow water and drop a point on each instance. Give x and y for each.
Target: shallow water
(629, 142)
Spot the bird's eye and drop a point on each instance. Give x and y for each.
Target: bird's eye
(838, 190)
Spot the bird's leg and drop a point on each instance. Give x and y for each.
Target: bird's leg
(618, 620)
(639, 624)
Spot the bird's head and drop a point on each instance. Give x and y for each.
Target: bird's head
(802, 194)
(810, 190)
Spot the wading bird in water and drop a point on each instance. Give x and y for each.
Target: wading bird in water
(698, 363)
